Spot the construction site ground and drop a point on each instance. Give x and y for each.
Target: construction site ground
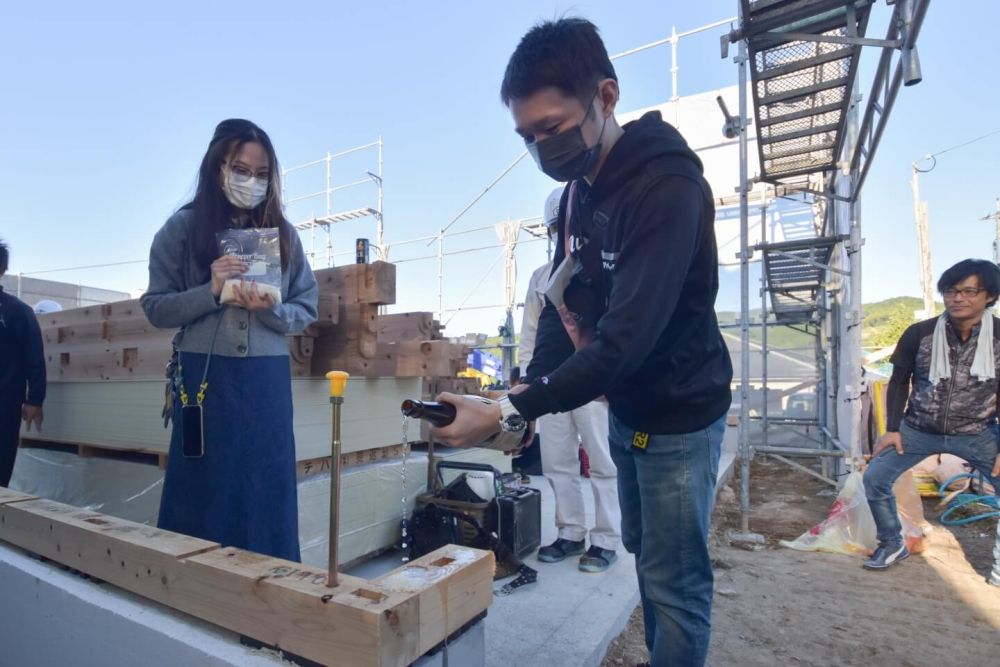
(777, 606)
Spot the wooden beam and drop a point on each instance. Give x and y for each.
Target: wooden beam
(104, 330)
(300, 353)
(373, 283)
(142, 358)
(75, 316)
(453, 385)
(104, 360)
(311, 467)
(328, 308)
(392, 620)
(407, 326)
(12, 496)
(442, 607)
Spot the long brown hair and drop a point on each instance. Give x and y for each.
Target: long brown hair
(212, 211)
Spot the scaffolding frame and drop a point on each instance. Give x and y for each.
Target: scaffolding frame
(534, 227)
(331, 218)
(803, 61)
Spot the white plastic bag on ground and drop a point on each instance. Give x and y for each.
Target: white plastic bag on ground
(848, 527)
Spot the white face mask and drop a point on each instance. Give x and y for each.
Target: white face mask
(244, 192)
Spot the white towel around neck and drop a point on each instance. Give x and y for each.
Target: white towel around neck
(983, 364)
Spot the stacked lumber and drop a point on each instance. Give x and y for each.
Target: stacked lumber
(369, 344)
(112, 340)
(115, 341)
(106, 363)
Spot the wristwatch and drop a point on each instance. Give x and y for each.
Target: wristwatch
(511, 420)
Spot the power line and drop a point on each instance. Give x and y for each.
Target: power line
(933, 156)
(483, 193)
(971, 141)
(473, 290)
(80, 268)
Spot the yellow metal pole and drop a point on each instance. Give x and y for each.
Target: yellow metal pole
(338, 383)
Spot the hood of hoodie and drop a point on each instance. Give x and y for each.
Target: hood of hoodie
(646, 139)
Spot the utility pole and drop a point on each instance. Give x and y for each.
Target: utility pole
(508, 233)
(996, 239)
(923, 244)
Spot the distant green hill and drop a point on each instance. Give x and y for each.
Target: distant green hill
(882, 325)
(885, 321)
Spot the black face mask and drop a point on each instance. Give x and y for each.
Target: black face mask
(566, 156)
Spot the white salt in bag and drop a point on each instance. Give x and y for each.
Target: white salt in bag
(260, 250)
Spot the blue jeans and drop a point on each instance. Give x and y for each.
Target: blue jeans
(979, 450)
(666, 493)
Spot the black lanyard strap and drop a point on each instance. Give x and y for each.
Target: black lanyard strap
(203, 387)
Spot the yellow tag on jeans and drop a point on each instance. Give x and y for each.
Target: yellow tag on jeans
(640, 440)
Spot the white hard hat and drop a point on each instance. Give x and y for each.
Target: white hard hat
(552, 206)
(47, 306)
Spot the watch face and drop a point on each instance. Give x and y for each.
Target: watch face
(514, 423)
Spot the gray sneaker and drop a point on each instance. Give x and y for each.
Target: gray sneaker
(597, 559)
(559, 550)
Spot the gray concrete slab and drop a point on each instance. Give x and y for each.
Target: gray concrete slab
(568, 618)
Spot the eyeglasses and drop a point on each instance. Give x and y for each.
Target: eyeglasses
(967, 292)
(242, 174)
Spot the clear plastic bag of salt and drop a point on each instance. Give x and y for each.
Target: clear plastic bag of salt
(260, 250)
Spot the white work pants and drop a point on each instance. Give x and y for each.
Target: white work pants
(560, 437)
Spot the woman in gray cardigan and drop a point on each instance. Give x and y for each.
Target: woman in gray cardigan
(239, 488)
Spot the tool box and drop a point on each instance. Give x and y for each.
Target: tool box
(457, 511)
(519, 519)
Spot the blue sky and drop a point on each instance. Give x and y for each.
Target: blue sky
(108, 108)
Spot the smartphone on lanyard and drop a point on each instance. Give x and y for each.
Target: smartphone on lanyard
(192, 431)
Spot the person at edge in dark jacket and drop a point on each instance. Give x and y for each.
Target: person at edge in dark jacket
(946, 374)
(22, 372)
(635, 323)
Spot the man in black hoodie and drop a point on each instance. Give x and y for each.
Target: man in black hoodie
(630, 316)
(22, 372)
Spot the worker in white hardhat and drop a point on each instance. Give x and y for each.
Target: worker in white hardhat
(534, 300)
(560, 437)
(552, 210)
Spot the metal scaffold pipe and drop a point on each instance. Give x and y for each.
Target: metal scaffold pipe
(744, 428)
